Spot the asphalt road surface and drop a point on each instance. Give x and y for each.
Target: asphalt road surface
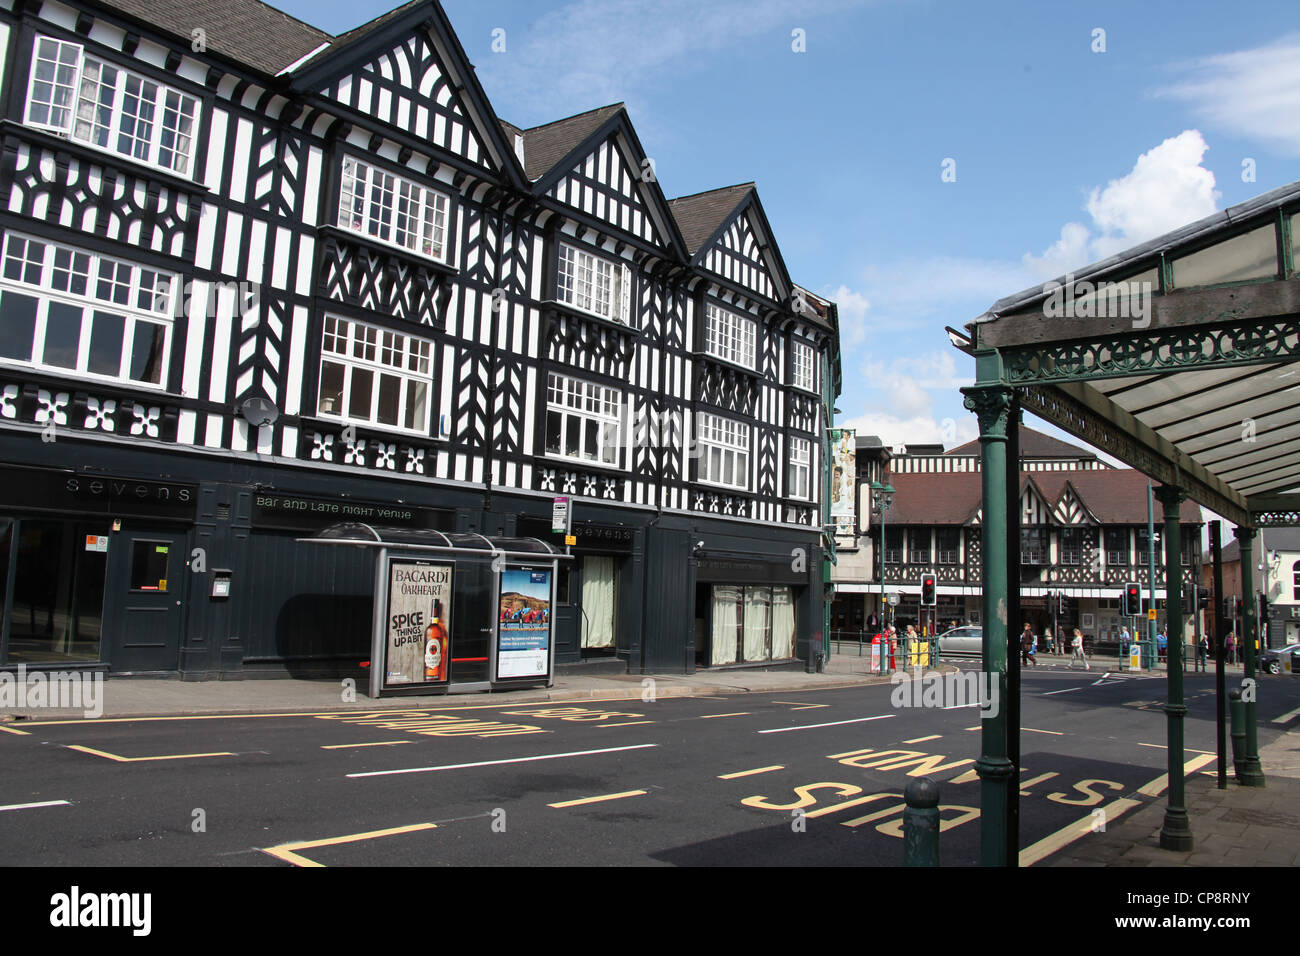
(804, 779)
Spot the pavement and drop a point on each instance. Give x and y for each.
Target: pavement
(1237, 826)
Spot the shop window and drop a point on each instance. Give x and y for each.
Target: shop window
(149, 565)
(72, 310)
(751, 623)
(56, 610)
(374, 376)
(599, 602)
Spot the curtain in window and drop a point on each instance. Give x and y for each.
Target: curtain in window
(726, 623)
(758, 623)
(782, 622)
(598, 602)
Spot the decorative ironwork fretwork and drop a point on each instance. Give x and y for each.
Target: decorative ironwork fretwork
(1252, 342)
(1277, 519)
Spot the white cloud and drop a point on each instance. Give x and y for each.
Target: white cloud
(853, 307)
(895, 430)
(1166, 189)
(1254, 93)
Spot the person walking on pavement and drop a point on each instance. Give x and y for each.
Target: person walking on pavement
(1077, 646)
(1049, 643)
(1232, 647)
(1027, 647)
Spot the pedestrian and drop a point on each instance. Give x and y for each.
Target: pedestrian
(1027, 647)
(1124, 639)
(1049, 642)
(912, 641)
(1077, 646)
(1232, 648)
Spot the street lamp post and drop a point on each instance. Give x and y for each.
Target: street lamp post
(882, 496)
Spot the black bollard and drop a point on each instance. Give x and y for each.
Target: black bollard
(921, 823)
(1237, 719)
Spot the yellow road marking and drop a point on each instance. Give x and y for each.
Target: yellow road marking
(921, 740)
(1185, 749)
(1055, 733)
(120, 759)
(743, 713)
(1158, 786)
(750, 773)
(870, 817)
(976, 727)
(800, 705)
(835, 807)
(378, 743)
(286, 851)
(1068, 834)
(13, 730)
(601, 799)
(627, 723)
(1039, 779)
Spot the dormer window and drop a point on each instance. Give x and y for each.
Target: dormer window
(95, 102)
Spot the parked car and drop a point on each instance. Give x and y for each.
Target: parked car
(1270, 661)
(962, 642)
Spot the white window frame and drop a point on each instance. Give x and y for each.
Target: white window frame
(800, 460)
(730, 337)
(723, 447)
(83, 117)
(803, 366)
(379, 352)
(577, 402)
(594, 284)
(385, 200)
(60, 275)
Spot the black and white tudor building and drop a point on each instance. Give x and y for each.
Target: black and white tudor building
(256, 280)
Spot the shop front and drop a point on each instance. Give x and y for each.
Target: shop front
(745, 611)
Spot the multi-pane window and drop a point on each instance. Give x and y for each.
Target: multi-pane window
(595, 285)
(1033, 546)
(1116, 547)
(63, 308)
(1071, 546)
(799, 471)
(584, 420)
(95, 102)
(893, 545)
(1142, 543)
(729, 336)
(723, 451)
(372, 375)
(803, 362)
(948, 545)
(392, 209)
(919, 551)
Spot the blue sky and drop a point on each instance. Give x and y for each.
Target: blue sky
(1063, 154)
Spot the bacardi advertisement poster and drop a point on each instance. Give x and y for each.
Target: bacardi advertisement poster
(418, 642)
(524, 623)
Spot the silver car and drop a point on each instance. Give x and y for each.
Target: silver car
(962, 642)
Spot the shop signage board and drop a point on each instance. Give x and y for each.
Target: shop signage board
(417, 624)
(523, 633)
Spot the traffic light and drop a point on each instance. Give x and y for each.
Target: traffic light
(1229, 608)
(1131, 605)
(1060, 597)
(927, 590)
(1189, 598)
(1202, 598)
(1263, 607)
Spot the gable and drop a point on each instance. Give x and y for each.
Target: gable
(1071, 510)
(409, 87)
(607, 186)
(736, 255)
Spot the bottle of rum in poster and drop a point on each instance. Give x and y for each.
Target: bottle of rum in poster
(435, 647)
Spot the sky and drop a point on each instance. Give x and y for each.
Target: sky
(917, 159)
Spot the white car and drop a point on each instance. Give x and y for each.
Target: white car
(962, 642)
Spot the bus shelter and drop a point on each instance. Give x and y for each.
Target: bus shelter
(1179, 358)
(456, 611)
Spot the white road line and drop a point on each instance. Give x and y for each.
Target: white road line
(1066, 691)
(32, 806)
(960, 706)
(492, 763)
(1287, 716)
(834, 723)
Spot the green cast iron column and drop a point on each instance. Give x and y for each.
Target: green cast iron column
(1252, 774)
(992, 404)
(1176, 833)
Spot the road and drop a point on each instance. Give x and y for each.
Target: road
(681, 781)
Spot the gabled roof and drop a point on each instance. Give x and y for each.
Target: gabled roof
(1114, 495)
(700, 216)
(248, 32)
(1033, 444)
(546, 145)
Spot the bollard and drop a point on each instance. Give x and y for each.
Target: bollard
(921, 823)
(1237, 718)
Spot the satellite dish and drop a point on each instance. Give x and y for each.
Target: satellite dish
(259, 411)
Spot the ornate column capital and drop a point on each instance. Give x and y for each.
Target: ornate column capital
(1172, 497)
(1243, 534)
(992, 406)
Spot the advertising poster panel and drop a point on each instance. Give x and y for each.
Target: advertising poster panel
(417, 643)
(844, 479)
(524, 623)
